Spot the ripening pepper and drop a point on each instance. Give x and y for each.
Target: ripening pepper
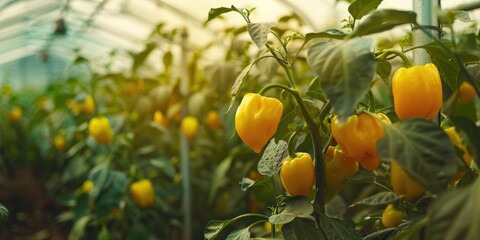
(15, 114)
(212, 120)
(143, 193)
(337, 170)
(466, 92)
(358, 136)
(190, 126)
(391, 216)
(257, 119)
(73, 106)
(159, 118)
(88, 105)
(99, 128)
(87, 186)
(417, 92)
(403, 184)
(298, 174)
(457, 141)
(60, 142)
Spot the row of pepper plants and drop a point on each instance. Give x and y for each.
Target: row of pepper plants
(372, 146)
(108, 143)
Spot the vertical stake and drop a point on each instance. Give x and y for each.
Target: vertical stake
(426, 16)
(184, 144)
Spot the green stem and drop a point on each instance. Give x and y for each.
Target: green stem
(288, 71)
(371, 99)
(405, 59)
(315, 135)
(249, 215)
(291, 149)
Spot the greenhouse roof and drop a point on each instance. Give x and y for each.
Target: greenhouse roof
(62, 29)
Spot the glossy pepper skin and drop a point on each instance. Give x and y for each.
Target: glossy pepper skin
(417, 92)
(257, 119)
(457, 141)
(391, 216)
(337, 170)
(298, 174)
(358, 136)
(403, 184)
(143, 193)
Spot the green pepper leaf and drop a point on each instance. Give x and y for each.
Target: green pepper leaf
(449, 70)
(345, 70)
(383, 20)
(383, 70)
(240, 234)
(218, 178)
(3, 215)
(214, 227)
(423, 150)
(302, 229)
(455, 214)
(360, 8)
(272, 158)
(330, 33)
(333, 228)
(296, 207)
(259, 32)
(217, 12)
(379, 199)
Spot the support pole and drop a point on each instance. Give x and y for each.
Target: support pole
(426, 16)
(184, 144)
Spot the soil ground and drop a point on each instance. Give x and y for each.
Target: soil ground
(31, 212)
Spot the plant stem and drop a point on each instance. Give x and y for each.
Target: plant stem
(315, 135)
(291, 149)
(386, 52)
(288, 72)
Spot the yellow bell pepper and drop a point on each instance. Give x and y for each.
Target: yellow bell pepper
(457, 141)
(417, 92)
(99, 128)
(358, 136)
(212, 120)
(87, 186)
(257, 119)
(143, 193)
(60, 142)
(391, 217)
(15, 114)
(298, 174)
(403, 184)
(337, 170)
(190, 127)
(88, 105)
(466, 92)
(159, 118)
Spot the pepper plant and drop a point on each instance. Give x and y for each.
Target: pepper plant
(397, 153)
